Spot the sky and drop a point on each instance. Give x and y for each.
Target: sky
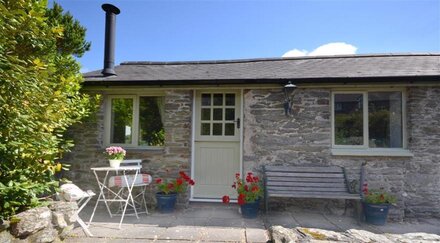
(188, 30)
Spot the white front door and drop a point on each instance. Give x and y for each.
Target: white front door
(217, 143)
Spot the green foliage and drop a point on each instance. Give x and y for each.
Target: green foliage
(39, 98)
(379, 197)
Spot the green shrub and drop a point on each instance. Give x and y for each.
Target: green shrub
(39, 98)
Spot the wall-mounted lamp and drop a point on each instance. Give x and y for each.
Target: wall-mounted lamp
(288, 91)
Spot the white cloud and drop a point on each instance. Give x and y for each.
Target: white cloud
(295, 53)
(334, 48)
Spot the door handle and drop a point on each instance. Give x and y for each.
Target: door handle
(238, 123)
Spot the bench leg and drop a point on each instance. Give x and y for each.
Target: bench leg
(359, 212)
(266, 204)
(346, 206)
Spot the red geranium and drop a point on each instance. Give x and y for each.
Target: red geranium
(175, 185)
(248, 191)
(225, 199)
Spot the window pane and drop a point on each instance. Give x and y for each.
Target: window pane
(206, 114)
(348, 110)
(217, 129)
(151, 132)
(206, 129)
(385, 119)
(121, 120)
(218, 99)
(218, 114)
(230, 99)
(229, 114)
(206, 99)
(229, 129)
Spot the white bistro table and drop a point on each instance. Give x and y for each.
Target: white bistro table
(112, 196)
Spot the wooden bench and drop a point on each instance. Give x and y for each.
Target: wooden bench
(329, 182)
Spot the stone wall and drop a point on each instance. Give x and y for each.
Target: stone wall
(305, 138)
(42, 224)
(162, 162)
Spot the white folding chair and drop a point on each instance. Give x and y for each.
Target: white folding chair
(71, 193)
(141, 182)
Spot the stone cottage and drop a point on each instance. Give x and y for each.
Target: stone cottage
(215, 118)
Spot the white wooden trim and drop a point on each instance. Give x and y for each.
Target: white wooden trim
(365, 150)
(241, 131)
(135, 121)
(193, 135)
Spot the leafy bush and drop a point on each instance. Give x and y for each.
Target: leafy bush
(39, 98)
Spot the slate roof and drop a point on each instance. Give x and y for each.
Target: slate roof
(344, 68)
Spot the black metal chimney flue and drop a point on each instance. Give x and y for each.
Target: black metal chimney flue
(109, 49)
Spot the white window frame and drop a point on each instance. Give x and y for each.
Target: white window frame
(364, 149)
(135, 121)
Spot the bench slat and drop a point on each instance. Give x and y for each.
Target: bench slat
(315, 195)
(323, 169)
(314, 175)
(307, 189)
(301, 179)
(306, 184)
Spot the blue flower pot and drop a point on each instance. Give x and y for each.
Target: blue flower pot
(376, 213)
(166, 202)
(250, 210)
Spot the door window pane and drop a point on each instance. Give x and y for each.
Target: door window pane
(206, 114)
(151, 132)
(218, 114)
(230, 129)
(218, 99)
(121, 120)
(217, 129)
(385, 119)
(206, 99)
(229, 114)
(348, 110)
(230, 99)
(206, 129)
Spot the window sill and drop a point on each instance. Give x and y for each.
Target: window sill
(372, 152)
(137, 148)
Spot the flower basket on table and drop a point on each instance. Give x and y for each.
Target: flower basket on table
(249, 194)
(115, 156)
(376, 204)
(168, 189)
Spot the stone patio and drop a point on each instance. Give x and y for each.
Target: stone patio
(215, 222)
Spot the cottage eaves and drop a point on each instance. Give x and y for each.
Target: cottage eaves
(321, 69)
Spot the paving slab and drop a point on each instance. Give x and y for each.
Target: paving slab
(183, 233)
(256, 235)
(212, 222)
(314, 220)
(213, 234)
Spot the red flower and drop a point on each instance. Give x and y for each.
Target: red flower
(241, 199)
(255, 188)
(179, 181)
(158, 180)
(225, 199)
(256, 179)
(191, 182)
(234, 185)
(184, 176)
(246, 188)
(170, 186)
(237, 175)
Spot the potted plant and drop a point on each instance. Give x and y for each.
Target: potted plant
(168, 189)
(376, 204)
(115, 155)
(249, 194)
